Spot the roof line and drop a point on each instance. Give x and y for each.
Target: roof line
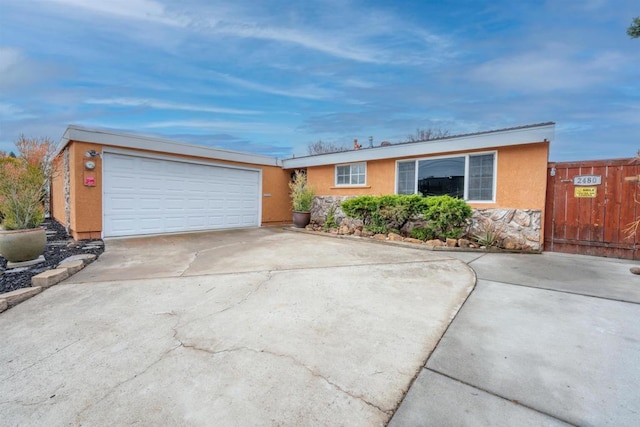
(145, 142)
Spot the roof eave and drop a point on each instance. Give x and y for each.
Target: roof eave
(129, 141)
(504, 138)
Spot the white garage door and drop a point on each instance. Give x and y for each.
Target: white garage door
(149, 196)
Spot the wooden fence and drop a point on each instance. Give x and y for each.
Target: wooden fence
(589, 204)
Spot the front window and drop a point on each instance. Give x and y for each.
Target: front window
(471, 177)
(353, 174)
(481, 177)
(406, 177)
(441, 177)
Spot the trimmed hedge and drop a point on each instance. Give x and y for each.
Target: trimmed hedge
(445, 216)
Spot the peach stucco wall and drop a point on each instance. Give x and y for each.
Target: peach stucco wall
(521, 177)
(86, 201)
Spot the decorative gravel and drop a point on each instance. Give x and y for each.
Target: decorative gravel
(59, 247)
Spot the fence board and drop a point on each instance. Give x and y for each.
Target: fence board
(593, 226)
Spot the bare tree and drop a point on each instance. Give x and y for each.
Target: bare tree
(427, 135)
(322, 147)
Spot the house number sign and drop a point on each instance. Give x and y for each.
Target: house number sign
(587, 180)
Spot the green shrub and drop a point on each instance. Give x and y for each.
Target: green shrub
(383, 213)
(446, 216)
(330, 220)
(422, 233)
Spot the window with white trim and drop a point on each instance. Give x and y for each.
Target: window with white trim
(351, 174)
(470, 176)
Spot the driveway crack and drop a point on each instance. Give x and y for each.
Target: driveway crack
(115, 387)
(296, 362)
(42, 359)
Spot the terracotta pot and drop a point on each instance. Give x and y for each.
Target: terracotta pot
(301, 219)
(22, 245)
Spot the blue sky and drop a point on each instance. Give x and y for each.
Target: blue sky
(271, 77)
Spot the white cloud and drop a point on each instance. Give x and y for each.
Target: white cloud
(548, 70)
(305, 92)
(218, 125)
(13, 112)
(9, 58)
(143, 10)
(163, 105)
(325, 43)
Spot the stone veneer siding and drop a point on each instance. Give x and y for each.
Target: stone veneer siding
(516, 228)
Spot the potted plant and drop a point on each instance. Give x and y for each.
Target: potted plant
(301, 199)
(24, 182)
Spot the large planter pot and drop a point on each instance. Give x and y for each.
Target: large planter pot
(301, 219)
(22, 245)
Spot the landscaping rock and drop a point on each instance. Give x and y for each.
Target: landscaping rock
(635, 270)
(380, 236)
(16, 270)
(434, 242)
(357, 233)
(366, 233)
(511, 243)
(464, 243)
(3, 305)
(57, 249)
(16, 297)
(521, 228)
(411, 225)
(395, 237)
(49, 278)
(322, 204)
(451, 243)
(412, 240)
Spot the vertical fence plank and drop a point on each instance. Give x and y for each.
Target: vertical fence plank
(593, 226)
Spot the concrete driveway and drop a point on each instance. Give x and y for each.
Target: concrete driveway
(547, 339)
(252, 327)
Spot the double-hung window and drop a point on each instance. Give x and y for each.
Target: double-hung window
(351, 174)
(470, 176)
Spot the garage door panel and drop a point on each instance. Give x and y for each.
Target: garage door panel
(152, 196)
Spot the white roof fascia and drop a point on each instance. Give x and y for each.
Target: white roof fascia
(505, 138)
(115, 139)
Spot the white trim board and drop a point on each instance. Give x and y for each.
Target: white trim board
(138, 142)
(484, 141)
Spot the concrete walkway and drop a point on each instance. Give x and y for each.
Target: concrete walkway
(546, 339)
(252, 327)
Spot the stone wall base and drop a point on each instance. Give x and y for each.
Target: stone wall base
(515, 229)
(518, 229)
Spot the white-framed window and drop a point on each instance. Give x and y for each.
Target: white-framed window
(469, 176)
(351, 174)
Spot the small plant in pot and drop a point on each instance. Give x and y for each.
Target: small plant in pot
(301, 199)
(24, 181)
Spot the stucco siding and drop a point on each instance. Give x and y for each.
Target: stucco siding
(86, 201)
(520, 178)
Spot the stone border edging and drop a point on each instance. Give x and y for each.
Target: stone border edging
(413, 245)
(65, 269)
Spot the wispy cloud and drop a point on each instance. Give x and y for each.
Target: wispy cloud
(217, 125)
(548, 70)
(163, 105)
(142, 10)
(325, 43)
(306, 92)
